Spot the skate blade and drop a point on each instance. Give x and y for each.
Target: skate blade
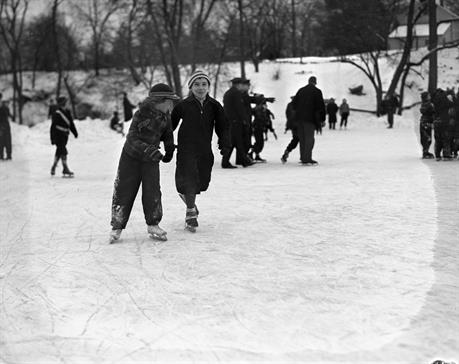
(113, 241)
(68, 176)
(190, 228)
(158, 237)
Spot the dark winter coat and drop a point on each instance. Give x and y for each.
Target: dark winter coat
(262, 118)
(309, 105)
(442, 107)
(127, 108)
(4, 117)
(427, 113)
(198, 123)
(235, 106)
(148, 128)
(332, 109)
(61, 126)
(290, 115)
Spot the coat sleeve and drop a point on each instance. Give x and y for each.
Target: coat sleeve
(72, 124)
(222, 128)
(176, 115)
(320, 106)
(168, 139)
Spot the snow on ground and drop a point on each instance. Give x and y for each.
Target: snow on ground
(336, 263)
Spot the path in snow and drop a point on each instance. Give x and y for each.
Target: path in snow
(349, 261)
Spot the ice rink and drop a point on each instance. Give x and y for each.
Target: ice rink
(355, 260)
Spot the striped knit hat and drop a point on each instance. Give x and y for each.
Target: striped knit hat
(198, 74)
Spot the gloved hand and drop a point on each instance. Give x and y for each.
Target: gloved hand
(168, 157)
(153, 154)
(270, 99)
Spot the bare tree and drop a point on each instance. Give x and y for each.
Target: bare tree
(168, 27)
(96, 14)
(12, 21)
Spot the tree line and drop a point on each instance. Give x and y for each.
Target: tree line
(143, 35)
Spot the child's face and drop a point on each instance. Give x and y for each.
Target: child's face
(200, 88)
(166, 106)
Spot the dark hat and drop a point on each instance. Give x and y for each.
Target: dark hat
(424, 95)
(312, 79)
(61, 100)
(245, 81)
(164, 91)
(236, 80)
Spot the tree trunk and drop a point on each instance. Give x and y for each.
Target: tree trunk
(433, 40)
(294, 52)
(241, 39)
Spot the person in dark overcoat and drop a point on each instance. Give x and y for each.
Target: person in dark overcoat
(442, 127)
(200, 115)
(309, 108)
(236, 112)
(291, 124)
(5, 130)
(426, 124)
(261, 122)
(61, 126)
(332, 109)
(127, 107)
(139, 162)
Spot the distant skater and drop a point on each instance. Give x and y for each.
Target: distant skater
(344, 111)
(332, 109)
(291, 125)
(426, 124)
(5, 130)
(61, 126)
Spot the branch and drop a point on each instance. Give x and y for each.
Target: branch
(426, 56)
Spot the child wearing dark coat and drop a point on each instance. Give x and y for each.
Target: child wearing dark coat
(139, 162)
(61, 126)
(332, 109)
(261, 124)
(426, 124)
(200, 115)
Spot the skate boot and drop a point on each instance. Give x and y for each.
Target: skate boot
(66, 172)
(191, 219)
(156, 233)
(259, 159)
(182, 196)
(427, 155)
(114, 235)
(53, 170)
(284, 156)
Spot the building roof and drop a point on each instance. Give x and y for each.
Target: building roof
(419, 30)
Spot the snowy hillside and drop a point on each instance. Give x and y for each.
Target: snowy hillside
(335, 263)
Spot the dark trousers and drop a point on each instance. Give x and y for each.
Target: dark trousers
(238, 142)
(332, 121)
(442, 135)
(390, 119)
(426, 137)
(131, 173)
(259, 140)
(306, 137)
(5, 142)
(294, 142)
(344, 117)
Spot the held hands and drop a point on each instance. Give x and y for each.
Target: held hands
(153, 154)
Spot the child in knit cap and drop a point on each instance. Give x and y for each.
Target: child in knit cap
(426, 124)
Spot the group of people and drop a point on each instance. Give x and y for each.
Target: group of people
(197, 117)
(440, 113)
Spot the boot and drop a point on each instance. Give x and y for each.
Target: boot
(66, 171)
(53, 167)
(114, 235)
(259, 159)
(285, 156)
(191, 219)
(157, 233)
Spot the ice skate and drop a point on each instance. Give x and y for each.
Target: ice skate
(67, 173)
(258, 159)
(427, 155)
(284, 157)
(310, 163)
(156, 233)
(191, 220)
(114, 235)
(182, 196)
(53, 170)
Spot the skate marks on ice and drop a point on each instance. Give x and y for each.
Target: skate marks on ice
(280, 270)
